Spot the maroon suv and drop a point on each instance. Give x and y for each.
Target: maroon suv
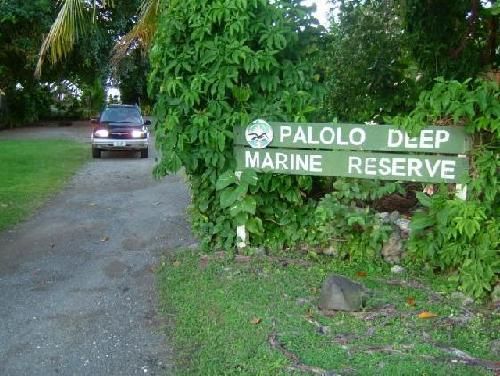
(120, 127)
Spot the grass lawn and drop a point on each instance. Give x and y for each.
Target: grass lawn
(260, 318)
(30, 171)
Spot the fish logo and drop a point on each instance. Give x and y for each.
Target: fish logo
(259, 134)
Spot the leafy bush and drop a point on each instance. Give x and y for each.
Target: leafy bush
(346, 222)
(219, 64)
(367, 70)
(457, 236)
(24, 105)
(450, 234)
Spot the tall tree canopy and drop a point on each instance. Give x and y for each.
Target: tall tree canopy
(77, 18)
(366, 62)
(93, 30)
(380, 54)
(21, 27)
(454, 39)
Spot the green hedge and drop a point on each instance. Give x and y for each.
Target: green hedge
(216, 64)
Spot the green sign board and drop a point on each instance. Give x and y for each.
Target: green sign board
(443, 140)
(370, 165)
(359, 151)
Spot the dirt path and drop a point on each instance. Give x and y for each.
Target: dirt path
(76, 283)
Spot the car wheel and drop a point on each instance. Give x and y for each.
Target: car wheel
(144, 153)
(96, 153)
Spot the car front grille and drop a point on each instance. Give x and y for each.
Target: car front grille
(120, 135)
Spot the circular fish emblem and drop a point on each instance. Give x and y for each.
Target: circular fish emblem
(259, 134)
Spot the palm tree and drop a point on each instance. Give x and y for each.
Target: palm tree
(73, 21)
(143, 31)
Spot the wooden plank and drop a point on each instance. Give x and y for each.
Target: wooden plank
(368, 165)
(326, 136)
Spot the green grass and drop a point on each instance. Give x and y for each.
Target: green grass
(211, 310)
(30, 171)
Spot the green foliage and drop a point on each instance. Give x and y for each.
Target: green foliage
(451, 234)
(474, 104)
(451, 38)
(346, 222)
(19, 22)
(366, 65)
(23, 25)
(131, 74)
(457, 236)
(25, 104)
(218, 64)
(92, 98)
(378, 55)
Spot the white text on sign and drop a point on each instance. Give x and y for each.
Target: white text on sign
(430, 139)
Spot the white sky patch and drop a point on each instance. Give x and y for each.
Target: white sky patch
(113, 91)
(322, 10)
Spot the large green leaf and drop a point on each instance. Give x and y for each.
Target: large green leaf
(248, 205)
(249, 177)
(225, 180)
(230, 195)
(424, 199)
(254, 225)
(421, 222)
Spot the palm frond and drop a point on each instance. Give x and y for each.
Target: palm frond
(67, 28)
(142, 33)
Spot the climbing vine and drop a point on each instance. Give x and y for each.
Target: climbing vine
(449, 234)
(219, 64)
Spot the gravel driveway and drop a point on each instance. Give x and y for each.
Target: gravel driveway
(77, 294)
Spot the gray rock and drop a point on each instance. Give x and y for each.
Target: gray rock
(394, 216)
(397, 269)
(341, 294)
(403, 224)
(384, 217)
(393, 248)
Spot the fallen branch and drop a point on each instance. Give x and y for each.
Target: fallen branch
(464, 358)
(297, 365)
(389, 349)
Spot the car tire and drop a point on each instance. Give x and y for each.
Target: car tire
(144, 153)
(96, 153)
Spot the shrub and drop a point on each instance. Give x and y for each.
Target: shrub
(449, 234)
(218, 64)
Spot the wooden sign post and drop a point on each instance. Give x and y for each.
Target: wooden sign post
(383, 152)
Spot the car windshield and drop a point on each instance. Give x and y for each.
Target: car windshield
(121, 115)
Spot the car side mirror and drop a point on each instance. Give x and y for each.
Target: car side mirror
(147, 122)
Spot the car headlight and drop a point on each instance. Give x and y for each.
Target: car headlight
(137, 134)
(101, 133)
